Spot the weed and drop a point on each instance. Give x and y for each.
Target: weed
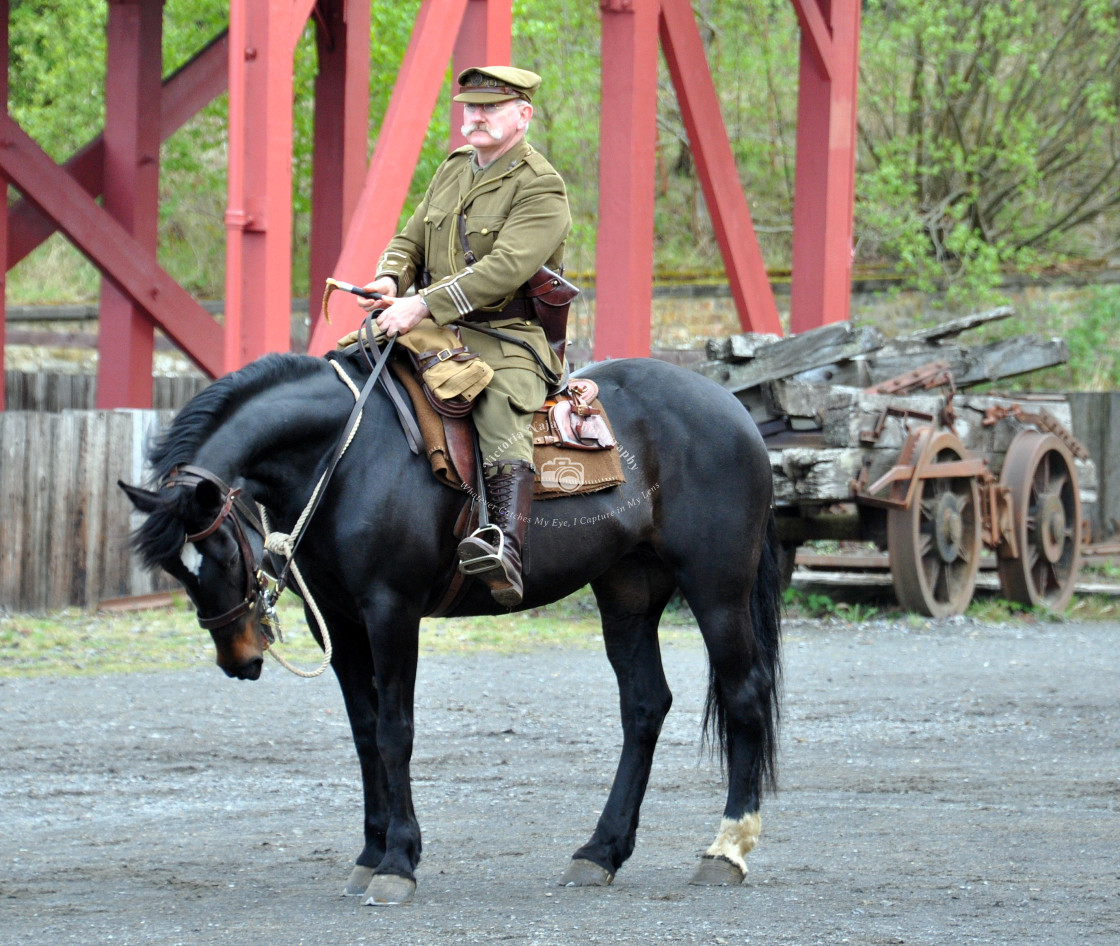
(808, 604)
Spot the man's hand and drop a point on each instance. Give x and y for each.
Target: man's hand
(386, 286)
(402, 315)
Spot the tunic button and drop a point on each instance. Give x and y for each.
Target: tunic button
(484, 231)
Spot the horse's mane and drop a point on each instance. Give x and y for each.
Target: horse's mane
(206, 411)
(162, 533)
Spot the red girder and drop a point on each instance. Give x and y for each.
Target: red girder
(824, 188)
(186, 91)
(716, 168)
(356, 209)
(109, 246)
(399, 142)
(4, 203)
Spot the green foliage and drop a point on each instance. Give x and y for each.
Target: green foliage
(988, 136)
(56, 71)
(809, 604)
(990, 609)
(1094, 357)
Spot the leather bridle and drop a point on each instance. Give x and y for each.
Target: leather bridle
(259, 597)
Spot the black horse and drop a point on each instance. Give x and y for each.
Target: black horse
(694, 514)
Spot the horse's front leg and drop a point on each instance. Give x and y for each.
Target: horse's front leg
(394, 635)
(353, 666)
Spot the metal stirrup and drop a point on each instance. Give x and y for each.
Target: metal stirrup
(485, 563)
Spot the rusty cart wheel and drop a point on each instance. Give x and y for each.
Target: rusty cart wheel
(1046, 519)
(934, 544)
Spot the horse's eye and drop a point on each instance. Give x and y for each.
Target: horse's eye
(191, 558)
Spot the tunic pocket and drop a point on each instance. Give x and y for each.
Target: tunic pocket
(482, 232)
(436, 222)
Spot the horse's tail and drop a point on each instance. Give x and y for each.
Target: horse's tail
(765, 675)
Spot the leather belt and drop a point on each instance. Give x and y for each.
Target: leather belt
(515, 309)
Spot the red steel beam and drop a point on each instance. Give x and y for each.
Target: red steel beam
(126, 338)
(341, 121)
(4, 203)
(815, 33)
(258, 213)
(109, 247)
(401, 137)
(485, 39)
(185, 92)
(820, 291)
(627, 168)
(716, 168)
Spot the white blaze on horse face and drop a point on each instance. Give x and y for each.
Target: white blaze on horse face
(191, 558)
(736, 839)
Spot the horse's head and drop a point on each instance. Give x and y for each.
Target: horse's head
(195, 530)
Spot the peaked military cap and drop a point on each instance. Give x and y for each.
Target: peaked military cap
(482, 84)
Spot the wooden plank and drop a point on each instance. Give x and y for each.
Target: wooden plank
(115, 577)
(14, 438)
(980, 365)
(62, 504)
(145, 602)
(33, 578)
(954, 327)
(738, 347)
(814, 475)
(822, 346)
(87, 527)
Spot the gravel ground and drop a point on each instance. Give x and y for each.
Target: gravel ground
(952, 783)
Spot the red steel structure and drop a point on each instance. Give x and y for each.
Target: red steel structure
(356, 204)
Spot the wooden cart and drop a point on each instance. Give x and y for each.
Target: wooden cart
(876, 440)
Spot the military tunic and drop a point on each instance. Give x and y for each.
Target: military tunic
(517, 219)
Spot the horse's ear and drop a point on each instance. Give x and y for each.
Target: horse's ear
(143, 499)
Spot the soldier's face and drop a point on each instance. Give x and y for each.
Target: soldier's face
(492, 129)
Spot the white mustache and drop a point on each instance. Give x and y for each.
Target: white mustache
(495, 133)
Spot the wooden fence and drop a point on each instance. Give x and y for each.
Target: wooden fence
(40, 391)
(64, 524)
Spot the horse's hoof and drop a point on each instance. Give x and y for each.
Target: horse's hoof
(386, 890)
(358, 880)
(717, 872)
(581, 873)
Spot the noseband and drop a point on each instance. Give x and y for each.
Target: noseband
(259, 598)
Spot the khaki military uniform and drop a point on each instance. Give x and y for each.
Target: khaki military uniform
(517, 219)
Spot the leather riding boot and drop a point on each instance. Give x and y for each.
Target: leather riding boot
(493, 553)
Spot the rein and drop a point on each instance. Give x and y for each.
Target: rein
(259, 598)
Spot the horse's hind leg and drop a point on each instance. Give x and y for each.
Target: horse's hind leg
(631, 598)
(742, 711)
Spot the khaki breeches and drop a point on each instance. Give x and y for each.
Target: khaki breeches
(503, 427)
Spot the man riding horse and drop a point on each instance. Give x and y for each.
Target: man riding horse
(495, 212)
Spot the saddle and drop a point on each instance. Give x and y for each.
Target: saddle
(568, 422)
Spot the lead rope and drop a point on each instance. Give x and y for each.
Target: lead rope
(283, 543)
